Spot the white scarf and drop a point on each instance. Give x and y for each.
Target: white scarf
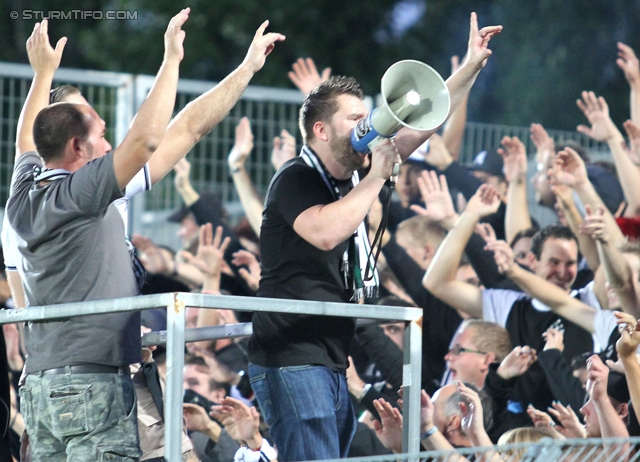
(362, 254)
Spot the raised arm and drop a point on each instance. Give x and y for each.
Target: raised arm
(459, 83)
(571, 171)
(628, 62)
(440, 278)
(453, 132)
(602, 128)
(44, 60)
(150, 123)
(616, 268)
(200, 116)
(551, 295)
(249, 197)
(514, 157)
(611, 425)
(626, 347)
(305, 76)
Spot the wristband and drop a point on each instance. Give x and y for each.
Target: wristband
(365, 390)
(428, 433)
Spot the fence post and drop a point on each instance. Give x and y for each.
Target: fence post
(411, 384)
(175, 363)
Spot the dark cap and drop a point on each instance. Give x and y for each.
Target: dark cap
(606, 185)
(213, 202)
(617, 387)
(488, 161)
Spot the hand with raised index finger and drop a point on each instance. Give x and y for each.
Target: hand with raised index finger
(261, 46)
(174, 36)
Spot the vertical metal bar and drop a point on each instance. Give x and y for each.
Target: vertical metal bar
(411, 384)
(175, 364)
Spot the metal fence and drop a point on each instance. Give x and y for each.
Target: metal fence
(116, 97)
(176, 304)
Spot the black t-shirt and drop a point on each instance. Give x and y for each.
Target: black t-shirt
(292, 268)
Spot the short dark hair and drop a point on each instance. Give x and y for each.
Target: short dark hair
(59, 94)
(55, 125)
(523, 233)
(548, 232)
(320, 103)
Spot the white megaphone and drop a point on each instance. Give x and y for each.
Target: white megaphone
(414, 95)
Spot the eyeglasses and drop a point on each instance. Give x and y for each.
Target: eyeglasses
(457, 350)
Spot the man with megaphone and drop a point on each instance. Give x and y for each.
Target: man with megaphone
(314, 243)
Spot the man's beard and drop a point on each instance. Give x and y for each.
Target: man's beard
(344, 152)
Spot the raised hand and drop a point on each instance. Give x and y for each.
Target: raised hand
(486, 232)
(514, 156)
(478, 49)
(598, 374)
(570, 426)
(594, 224)
(539, 418)
(517, 362)
(284, 148)
(389, 428)
(246, 419)
(541, 138)
(251, 276)
(484, 202)
(197, 418)
(472, 414)
(209, 258)
(242, 146)
(42, 56)
(305, 76)
(437, 199)
(628, 62)
(570, 169)
(261, 46)
(502, 254)
(633, 132)
(182, 169)
(554, 339)
(629, 340)
(596, 111)
(154, 259)
(174, 36)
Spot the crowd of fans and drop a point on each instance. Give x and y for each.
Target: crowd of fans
(527, 333)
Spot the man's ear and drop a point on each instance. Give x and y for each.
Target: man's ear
(320, 131)
(533, 262)
(454, 423)
(623, 410)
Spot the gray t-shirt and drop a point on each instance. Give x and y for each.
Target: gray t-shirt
(73, 250)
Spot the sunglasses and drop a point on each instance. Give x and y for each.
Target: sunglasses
(457, 350)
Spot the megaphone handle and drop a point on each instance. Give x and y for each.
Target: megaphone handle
(394, 173)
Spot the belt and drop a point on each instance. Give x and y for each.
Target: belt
(86, 369)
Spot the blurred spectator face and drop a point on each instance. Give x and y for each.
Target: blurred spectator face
(522, 251)
(499, 183)
(467, 274)
(196, 378)
(417, 253)
(591, 423)
(541, 184)
(407, 186)
(581, 374)
(395, 332)
(558, 262)
(465, 361)
(189, 231)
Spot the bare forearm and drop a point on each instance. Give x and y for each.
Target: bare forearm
(588, 195)
(586, 244)
(327, 226)
(611, 424)
(197, 119)
(554, 297)
(628, 172)
(251, 201)
(632, 373)
(517, 215)
(37, 99)
(619, 276)
(454, 129)
(635, 104)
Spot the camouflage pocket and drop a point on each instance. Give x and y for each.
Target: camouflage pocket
(68, 405)
(26, 406)
(120, 453)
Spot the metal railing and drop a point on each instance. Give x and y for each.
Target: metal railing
(176, 335)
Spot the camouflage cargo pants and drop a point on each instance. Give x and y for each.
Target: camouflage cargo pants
(80, 417)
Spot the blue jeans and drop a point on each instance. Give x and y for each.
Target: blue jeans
(308, 410)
